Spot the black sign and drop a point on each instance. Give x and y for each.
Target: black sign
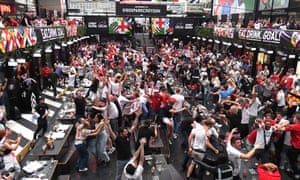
(269, 36)
(153, 10)
(96, 24)
(183, 26)
(49, 33)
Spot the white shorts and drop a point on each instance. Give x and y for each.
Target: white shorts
(168, 121)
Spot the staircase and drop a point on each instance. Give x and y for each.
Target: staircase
(144, 41)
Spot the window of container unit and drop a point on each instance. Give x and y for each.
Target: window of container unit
(48, 58)
(263, 58)
(291, 62)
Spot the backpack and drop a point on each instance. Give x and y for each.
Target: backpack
(213, 159)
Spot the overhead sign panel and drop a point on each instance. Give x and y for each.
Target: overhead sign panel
(96, 24)
(130, 9)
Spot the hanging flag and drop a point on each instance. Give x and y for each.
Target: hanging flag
(119, 25)
(161, 26)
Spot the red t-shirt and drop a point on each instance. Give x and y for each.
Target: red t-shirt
(295, 134)
(275, 77)
(155, 101)
(252, 136)
(267, 175)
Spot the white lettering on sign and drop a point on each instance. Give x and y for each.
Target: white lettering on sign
(272, 36)
(254, 35)
(189, 26)
(52, 33)
(92, 25)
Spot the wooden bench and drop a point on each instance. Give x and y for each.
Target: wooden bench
(67, 156)
(64, 177)
(63, 161)
(24, 151)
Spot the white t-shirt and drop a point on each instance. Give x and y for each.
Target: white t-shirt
(260, 139)
(253, 109)
(105, 90)
(200, 138)
(280, 97)
(72, 77)
(245, 116)
(115, 88)
(137, 174)
(122, 100)
(234, 155)
(180, 100)
(113, 111)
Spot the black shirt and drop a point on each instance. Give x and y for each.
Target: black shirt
(234, 119)
(146, 132)
(167, 112)
(79, 105)
(123, 148)
(41, 109)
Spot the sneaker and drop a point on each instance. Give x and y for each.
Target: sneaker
(111, 150)
(297, 176)
(170, 142)
(289, 170)
(175, 136)
(83, 170)
(207, 173)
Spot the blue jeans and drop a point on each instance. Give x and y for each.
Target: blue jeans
(204, 99)
(145, 109)
(284, 161)
(83, 158)
(120, 164)
(177, 122)
(154, 113)
(92, 146)
(101, 146)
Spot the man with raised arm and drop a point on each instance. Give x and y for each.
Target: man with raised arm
(134, 168)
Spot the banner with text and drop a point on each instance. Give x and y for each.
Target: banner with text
(45, 34)
(183, 26)
(96, 24)
(141, 9)
(269, 36)
(224, 32)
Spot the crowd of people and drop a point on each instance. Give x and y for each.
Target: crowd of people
(132, 95)
(262, 108)
(29, 20)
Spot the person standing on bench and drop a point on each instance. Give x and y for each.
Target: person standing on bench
(43, 111)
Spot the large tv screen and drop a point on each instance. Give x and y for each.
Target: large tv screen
(119, 25)
(162, 26)
(273, 4)
(227, 7)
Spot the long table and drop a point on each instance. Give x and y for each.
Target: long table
(56, 150)
(43, 169)
(156, 167)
